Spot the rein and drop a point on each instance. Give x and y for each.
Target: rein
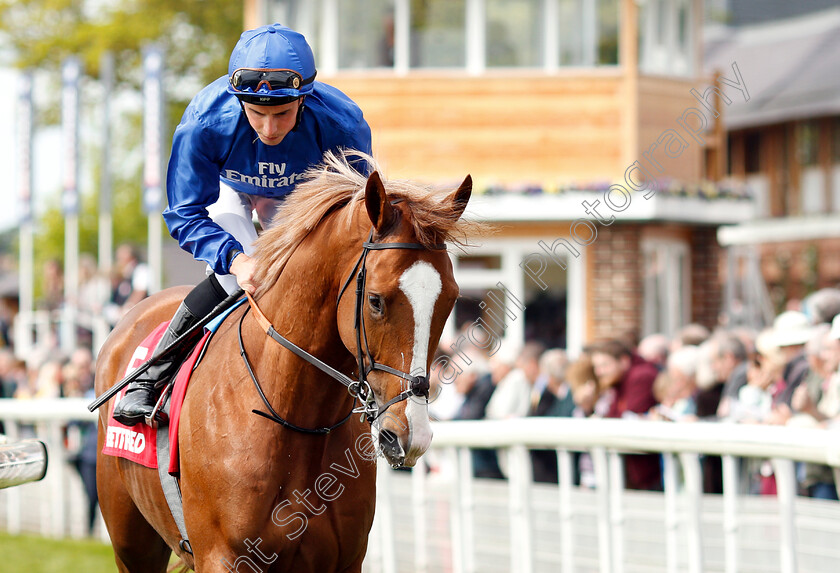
(360, 388)
(273, 415)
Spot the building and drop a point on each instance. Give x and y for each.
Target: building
(785, 144)
(597, 165)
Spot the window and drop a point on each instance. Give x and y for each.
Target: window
(607, 40)
(807, 141)
(438, 34)
(665, 36)
(537, 313)
(588, 32)
(570, 31)
(488, 262)
(752, 152)
(521, 294)
(811, 176)
(299, 15)
(476, 35)
(661, 20)
(486, 304)
(365, 34)
(666, 286)
(545, 310)
(835, 140)
(683, 28)
(513, 36)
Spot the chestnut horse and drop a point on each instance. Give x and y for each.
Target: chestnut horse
(258, 495)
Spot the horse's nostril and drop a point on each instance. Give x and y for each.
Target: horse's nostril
(389, 444)
(388, 440)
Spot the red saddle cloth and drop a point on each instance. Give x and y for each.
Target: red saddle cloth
(139, 443)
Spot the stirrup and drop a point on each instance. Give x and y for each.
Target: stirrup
(158, 415)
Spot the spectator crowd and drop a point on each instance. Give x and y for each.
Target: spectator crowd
(785, 375)
(48, 372)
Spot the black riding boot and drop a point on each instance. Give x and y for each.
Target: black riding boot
(142, 394)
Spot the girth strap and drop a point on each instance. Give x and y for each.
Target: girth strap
(168, 482)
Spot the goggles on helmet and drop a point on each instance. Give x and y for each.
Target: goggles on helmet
(249, 80)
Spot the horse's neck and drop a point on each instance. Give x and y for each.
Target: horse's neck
(302, 307)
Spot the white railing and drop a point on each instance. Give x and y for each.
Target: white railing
(680, 529)
(55, 506)
(43, 329)
(441, 519)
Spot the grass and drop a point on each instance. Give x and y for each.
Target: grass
(32, 554)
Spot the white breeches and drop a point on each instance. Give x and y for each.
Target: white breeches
(233, 213)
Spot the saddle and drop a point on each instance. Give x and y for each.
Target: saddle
(140, 443)
(157, 448)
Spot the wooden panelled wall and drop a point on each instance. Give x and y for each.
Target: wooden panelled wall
(509, 129)
(518, 129)
(662, 102)
(778, 150)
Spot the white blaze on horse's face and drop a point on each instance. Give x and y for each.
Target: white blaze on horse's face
(421, 285)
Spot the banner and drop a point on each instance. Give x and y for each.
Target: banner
(71, 70)
(106, 78)
(152, 130)
(24, 147)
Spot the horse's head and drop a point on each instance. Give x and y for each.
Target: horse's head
(408, 292)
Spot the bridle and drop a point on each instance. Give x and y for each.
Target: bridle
(359, 388)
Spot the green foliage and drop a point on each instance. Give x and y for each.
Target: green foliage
(196, 37)
(129, 224)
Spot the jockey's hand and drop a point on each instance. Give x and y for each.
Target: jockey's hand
(243, 268)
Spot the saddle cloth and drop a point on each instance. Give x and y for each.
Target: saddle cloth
(139, 443)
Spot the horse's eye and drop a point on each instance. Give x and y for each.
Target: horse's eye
(376, 303)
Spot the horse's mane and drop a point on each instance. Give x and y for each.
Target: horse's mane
(334, 184)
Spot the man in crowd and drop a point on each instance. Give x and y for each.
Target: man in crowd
(729, 362)
(631, 379)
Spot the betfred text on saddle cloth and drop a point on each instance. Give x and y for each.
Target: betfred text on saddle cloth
(139, 443)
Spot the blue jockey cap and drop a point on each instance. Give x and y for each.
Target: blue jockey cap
(274, 48)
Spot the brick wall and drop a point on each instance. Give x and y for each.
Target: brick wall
(616, 295)
(616, 282)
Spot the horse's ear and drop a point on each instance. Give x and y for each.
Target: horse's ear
(379, 209)
(460, 197)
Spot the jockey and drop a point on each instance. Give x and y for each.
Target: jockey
(243, 145)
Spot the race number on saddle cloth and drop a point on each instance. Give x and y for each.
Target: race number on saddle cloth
(139, 443)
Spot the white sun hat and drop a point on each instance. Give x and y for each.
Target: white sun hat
(834, 333)
(792, 328)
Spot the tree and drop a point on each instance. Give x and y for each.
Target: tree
(196, 37)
